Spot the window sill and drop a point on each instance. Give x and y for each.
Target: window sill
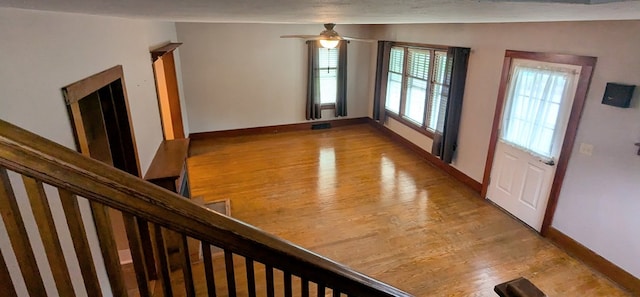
(324, 106)
(409, 124)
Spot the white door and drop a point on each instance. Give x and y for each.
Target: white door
(534, 119)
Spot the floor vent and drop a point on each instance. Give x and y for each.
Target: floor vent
(320, 126)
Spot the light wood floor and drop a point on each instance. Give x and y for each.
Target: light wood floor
(354, 196)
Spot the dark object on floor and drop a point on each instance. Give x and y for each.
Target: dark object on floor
(321, 126)
(519, 287)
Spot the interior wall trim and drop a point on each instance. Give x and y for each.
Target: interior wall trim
(277, 128)
(595, 261)
(457, 174)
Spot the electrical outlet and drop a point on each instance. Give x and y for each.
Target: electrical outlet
(586, 149)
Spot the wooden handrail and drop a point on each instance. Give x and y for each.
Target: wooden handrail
(35, 156)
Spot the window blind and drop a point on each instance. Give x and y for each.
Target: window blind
(394, 80)
(439, 92)
(327, 58)
(396, 60)
(418, 63)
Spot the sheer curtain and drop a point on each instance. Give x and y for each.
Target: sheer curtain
(534, 108)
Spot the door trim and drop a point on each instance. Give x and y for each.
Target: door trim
(168, 92)
(587, 64)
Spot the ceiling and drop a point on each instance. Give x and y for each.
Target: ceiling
(345, 11)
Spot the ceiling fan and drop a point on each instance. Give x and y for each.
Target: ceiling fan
(328, 38)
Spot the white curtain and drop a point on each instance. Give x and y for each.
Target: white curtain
(535, 109)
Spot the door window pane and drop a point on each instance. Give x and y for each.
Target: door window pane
(533, 106)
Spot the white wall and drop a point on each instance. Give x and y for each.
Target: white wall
(600, 200)
(244, 75)
(40, 53)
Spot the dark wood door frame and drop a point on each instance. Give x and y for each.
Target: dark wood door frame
(82, 91)
(587, 64)
(167, 90)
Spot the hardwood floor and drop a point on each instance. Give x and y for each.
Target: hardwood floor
(352, 195)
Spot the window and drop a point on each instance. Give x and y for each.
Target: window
(415, 85)
(328, 74)
(422, 88)
(326, 80)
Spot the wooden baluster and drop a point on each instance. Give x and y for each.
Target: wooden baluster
(18, 237)
(321, 290)
(304, 288)
(336, 293)
(80, 242)
(186, 268)
(108, 248)
(231, 280)
(208, 269)
(251, 277)
(49, 235)
(163, 259)
(137, 254)
(270, 286)
(6, 285)
(147, 248)
(288, 288)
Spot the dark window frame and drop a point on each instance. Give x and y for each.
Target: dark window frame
(400, 116)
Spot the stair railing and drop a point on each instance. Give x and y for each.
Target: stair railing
(41, 162)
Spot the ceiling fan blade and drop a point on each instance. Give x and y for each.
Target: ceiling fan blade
(312, 37)
(358, 39)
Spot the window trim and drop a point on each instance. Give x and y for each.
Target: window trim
(324, 106)
(420, 45)
(399, 117)
(409, 123)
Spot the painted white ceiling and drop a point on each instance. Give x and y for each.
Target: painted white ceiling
(345, 11)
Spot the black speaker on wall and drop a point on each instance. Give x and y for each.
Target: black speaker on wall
(618, 95)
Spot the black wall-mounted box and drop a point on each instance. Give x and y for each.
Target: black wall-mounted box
(618, 95)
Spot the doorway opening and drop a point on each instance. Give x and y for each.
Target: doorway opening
(99, 112)
(540, 101)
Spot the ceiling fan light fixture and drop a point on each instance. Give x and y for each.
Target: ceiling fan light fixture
(329, 43)
(331, 38)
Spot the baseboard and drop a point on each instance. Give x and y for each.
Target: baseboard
(125, 256)
(457, 174)
(595, 261)
(277, 128)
